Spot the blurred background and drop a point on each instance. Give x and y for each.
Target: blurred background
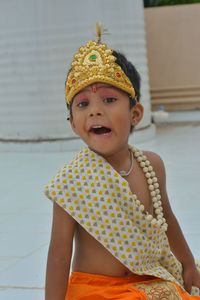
(38, 40)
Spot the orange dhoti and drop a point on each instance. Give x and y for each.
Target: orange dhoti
(86, 286)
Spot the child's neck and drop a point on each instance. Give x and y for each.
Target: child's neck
(120, 160)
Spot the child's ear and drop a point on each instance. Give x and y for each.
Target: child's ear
(137, 113)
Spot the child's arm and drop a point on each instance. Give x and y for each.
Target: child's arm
(59, 255)
(175, 236)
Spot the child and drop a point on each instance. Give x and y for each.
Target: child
(112, 197)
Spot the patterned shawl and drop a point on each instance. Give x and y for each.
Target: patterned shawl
(100, 200)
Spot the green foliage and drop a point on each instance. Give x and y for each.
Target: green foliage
(151, 3)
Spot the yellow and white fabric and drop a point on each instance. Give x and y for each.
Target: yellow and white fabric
(100, 200)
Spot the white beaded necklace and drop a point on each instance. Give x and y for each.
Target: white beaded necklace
(124, 173)
(153, 185)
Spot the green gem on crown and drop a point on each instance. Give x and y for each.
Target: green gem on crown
(93, 57)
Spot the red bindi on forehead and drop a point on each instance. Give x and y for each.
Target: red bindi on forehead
(101, 87)
(93, 88)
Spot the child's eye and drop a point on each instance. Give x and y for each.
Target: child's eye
(82, 104)
(110, 99)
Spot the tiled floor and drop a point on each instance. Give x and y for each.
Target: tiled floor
(25, 214)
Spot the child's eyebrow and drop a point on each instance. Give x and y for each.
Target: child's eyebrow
(108, 91)
(79, 97)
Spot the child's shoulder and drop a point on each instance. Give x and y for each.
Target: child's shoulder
(156, 161)
(156, 158)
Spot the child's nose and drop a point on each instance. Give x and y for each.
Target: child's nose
(95, 109)
(95, 113)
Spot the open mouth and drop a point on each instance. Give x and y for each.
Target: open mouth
(100, 130)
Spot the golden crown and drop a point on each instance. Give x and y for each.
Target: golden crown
(93, 63)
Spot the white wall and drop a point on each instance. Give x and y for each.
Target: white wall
(37, 41)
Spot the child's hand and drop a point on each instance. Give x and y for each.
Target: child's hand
(191, 277)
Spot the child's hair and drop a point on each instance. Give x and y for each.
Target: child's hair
(131, 72)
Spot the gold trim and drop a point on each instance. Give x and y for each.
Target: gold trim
(95, 63)
(159, 290)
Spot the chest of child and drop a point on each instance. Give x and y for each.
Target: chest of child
(138, 186)
(90, 255)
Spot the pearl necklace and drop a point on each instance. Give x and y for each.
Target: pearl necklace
(152, 180)
(124, 173)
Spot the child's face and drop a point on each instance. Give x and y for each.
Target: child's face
(102, 117)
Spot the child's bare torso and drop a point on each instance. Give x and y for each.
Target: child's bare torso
(92, 257)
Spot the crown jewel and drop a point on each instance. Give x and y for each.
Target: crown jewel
(93, 63)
